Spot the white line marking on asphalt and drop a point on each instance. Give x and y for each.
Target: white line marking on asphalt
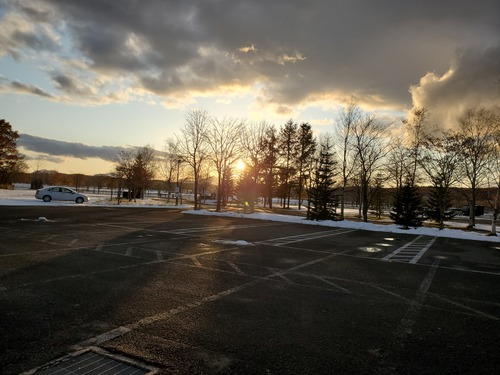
(332, 284)
(282, 241)
(405, 327)
(480, 313)
(422, 252)
(195, 261)
(106, 336)
(388, 292)
(235, 267)
(279, 275)
(73, 242)
(410, 252)
(115, 253)
(168, 314)
(128, 252)
(159, 255)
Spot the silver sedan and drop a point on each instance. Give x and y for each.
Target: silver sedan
(60, 193)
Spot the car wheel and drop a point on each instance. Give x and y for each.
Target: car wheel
(47, 198)
(79, 200)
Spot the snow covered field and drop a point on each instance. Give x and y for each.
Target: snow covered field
(26, 197)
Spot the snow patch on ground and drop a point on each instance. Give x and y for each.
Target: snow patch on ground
(237, 243)
(26, 197)
(435, 232)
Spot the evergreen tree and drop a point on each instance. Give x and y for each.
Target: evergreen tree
(322, 196)
(407, 210)
(269, 164)
(438, 201)
(11, 161)
(287, 151)
(306, 150)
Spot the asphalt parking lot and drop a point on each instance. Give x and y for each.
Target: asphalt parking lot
(185, 294)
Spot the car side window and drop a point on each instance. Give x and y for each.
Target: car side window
(54, 189)
(65, 190)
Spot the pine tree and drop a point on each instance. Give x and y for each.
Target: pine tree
(322, 196)
(407, 210)
(438, 201)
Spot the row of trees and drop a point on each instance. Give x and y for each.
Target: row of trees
(467, 156)
(362, 152)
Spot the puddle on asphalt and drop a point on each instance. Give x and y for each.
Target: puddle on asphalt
(371, 249)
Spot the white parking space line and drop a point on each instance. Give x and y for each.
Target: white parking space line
(195, 260)
(477, 312)
(405, 327)
(182, 308)
(279, 275)
(235, 267)
(412, 251)
(332, 284)
(282, 241)
(218, 228)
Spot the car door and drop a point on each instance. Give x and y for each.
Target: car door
(67, 194)
(55, 193)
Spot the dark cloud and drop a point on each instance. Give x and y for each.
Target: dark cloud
(472, 80)
(293, 49)
(34, 40)
(70, 86)
(48, 158)
(30, 89)
(70, 149)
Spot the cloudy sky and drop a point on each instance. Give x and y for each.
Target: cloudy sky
(81, 79)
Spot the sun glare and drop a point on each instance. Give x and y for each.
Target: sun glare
(240, 165)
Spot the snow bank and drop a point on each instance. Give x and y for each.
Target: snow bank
(391, 228)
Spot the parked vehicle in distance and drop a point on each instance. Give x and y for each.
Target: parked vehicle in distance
(452, 212)
(60, 193)
(479, 211)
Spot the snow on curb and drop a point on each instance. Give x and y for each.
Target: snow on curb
(434, 232)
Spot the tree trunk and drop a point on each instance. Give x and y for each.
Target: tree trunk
(493, 231)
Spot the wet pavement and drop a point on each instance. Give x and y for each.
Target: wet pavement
(188, 294)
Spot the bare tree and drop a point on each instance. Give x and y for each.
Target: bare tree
(192, 145)
(371, 145)
(254, 149)
(37, 165)
(417, 131)
(397, 163)
(476, 136)
(439, 160)
(347, 119)
(78, 180)
(123, 171)
(224, 141)
(494, 180)
(170, 165)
